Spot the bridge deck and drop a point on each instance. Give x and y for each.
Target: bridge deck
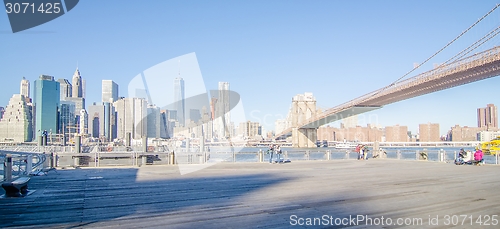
(252, 195)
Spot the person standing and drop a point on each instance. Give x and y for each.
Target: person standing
(362, 152)
(270, 151)
(278, 154)
(365, 153)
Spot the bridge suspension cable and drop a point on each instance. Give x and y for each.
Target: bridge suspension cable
(440, 50)
(471, 48)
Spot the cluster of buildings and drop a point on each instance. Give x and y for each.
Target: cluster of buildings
(486, 130)
(58, 110)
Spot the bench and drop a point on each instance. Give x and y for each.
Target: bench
(16, 188)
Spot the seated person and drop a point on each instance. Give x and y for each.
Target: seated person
(461, 156)
(468, 157)
(478, 156)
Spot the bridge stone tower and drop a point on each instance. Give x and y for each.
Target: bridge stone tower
(303, 108)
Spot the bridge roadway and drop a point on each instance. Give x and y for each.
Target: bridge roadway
(476, 67)
(257, 195)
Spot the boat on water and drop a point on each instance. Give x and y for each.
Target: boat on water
(491, 147)
(346, 145)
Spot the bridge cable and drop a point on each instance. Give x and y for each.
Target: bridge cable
(449, 43)
(461, 54)
(439, 51)
(466, 51)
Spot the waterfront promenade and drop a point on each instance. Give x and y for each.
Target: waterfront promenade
(259, 195)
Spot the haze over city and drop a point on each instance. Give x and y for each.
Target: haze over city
(267, 51)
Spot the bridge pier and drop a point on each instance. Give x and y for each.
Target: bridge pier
(304, 137)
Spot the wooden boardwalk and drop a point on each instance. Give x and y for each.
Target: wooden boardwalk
(259, 195)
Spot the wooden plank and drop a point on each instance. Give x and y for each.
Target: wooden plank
(256, 195)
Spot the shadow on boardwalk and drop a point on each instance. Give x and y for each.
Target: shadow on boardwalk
(253, 195)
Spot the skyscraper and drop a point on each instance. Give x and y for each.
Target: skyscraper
(488, 116)
(131, 117)
(109, 91)
(179, 100)
(67, 114)
(47, 99)
(77, 84)
(25, 88)
(96, 120)
(66, 88)
(153, 122)
(17, 124)
(223, 116)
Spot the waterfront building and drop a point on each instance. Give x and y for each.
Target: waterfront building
(463, 134)
(16, 125)
(131, 117)
(429, 132)
(488, 116)
(396, 133)
(179, 98)
(47, 99)
(249, 129)
(485, 136)
(358, 133)
(109, 91)
(65, 88)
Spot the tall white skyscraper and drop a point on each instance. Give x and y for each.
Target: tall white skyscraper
(25, 88)
(179, 98)
(109, 91)
(223, 117)
(77, 84)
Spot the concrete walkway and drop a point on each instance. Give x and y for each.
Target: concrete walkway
(261, 195)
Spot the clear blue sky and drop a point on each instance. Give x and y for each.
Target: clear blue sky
(269, 51)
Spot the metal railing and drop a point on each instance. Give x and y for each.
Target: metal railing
(17, 164)
(135, 158)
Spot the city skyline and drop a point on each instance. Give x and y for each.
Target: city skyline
(104, 121)
(305, 47)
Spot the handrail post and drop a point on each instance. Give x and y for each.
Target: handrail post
(7, 168)
(29, 164)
